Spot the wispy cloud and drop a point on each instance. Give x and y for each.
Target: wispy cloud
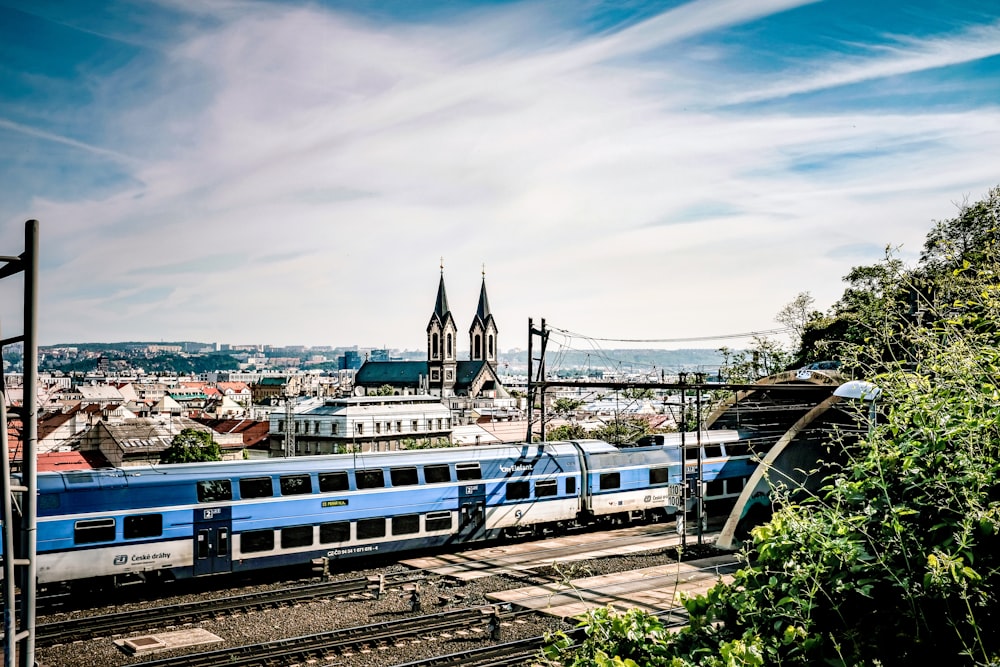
(897, 55)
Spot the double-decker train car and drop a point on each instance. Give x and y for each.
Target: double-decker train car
(195, 519)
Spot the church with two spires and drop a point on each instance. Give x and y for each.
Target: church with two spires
(443, 374)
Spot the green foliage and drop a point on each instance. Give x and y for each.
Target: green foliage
(566, 406)
(764, 357)
(568, 432)
(384, 390)
(897, 560)
(622, 430)
(191, 445)
(426, 443)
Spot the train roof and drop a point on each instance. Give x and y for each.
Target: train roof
(134, 475)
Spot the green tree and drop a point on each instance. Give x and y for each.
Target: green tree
(384, 390)
(566, 406)
(567, 432)
(191, 445)
(897, 560)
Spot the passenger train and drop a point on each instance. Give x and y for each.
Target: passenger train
(197, 519)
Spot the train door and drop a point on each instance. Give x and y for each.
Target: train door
(472, 512)
(213, 530)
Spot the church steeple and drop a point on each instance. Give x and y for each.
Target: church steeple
(483, 332)
(442, 341)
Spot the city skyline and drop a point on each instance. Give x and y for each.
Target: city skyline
(297, 173)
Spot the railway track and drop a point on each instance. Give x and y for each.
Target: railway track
(323, 647)
(522, 651)
(141, 620)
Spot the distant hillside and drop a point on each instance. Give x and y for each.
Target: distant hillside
(617, 360)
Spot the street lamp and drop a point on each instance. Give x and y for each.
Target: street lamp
(866, 391)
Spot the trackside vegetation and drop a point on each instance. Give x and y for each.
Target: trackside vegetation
(897, 560)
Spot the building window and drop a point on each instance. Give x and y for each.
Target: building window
(434, 375)
(490, 348)
(333, 428)
(281, 425)
(399, 427)
(476, 344)
(434, 346)
(378, 427)
(360, 428)
(414, 426)
(448, 374)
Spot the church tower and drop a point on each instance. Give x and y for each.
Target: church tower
(442, 342)
(483, 332)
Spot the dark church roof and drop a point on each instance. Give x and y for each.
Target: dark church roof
(411, 373)
(377, 373)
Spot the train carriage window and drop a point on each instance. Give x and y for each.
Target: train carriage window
(546, 487)
(738, 449)
(256, 487)
(437, 521)
(403, 476)
(371, 528)
(435, 474)
(610, 480)
(94, 530)
(518, 490)
(143, 525)
(338, 531)
(713, 451)
(256, 540)
(659, 476)
(333, 481)
(468, 471)
(294, 485)
(214, 490)
(714, 488)
(296, 536)
(408, 524)
(370, 479)
(571, 485)
(690, 452)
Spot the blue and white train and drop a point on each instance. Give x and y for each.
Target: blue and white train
(197, 519)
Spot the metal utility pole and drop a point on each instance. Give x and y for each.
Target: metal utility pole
(532, 385)
(19, 564)
(289, 422)
(700, 492)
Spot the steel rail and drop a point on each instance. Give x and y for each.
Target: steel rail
(61, 632)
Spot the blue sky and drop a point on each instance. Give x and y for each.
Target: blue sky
(293, 173)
